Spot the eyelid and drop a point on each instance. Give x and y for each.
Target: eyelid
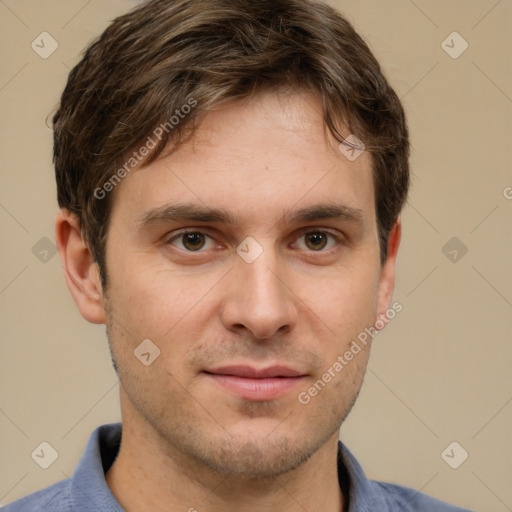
(314, 229)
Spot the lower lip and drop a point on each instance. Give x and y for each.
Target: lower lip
(257, 389)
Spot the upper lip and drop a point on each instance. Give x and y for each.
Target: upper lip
(249, 372)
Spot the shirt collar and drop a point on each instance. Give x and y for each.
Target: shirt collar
(89, 489)
(361, 495)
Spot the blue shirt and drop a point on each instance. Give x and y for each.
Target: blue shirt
(87, 490)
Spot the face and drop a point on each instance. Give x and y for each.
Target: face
(250, 258)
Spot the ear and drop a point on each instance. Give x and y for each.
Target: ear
(81, 272)
(387, 275)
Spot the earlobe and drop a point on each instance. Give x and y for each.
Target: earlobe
(81, 272)
(387, 276)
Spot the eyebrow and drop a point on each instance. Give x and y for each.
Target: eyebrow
(191, 212)
(326, 211)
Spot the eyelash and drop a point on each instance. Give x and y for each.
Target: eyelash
(334, 237)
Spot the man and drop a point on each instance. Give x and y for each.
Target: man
(230, 176)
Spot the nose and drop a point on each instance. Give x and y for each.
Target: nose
(259, 298)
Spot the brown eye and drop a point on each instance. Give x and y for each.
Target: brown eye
(193, 241)
(316, 240)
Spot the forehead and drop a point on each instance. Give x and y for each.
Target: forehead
(257, 158)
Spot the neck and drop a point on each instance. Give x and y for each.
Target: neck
(148, 474)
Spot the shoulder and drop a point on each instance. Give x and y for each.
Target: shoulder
(55, 498)
(366, 495)
(406, 499)
(86, 489)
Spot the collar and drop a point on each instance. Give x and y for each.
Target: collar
(88, 484)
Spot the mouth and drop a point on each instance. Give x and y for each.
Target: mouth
(255, 384)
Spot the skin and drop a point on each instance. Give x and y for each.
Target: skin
(188, 443)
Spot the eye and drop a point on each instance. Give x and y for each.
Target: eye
(191, 241)
(317, 241)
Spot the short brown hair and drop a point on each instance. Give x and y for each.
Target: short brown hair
(153, 60)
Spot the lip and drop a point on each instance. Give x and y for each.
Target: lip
(262, 384)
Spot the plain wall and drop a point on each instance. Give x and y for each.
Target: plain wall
(439, 372)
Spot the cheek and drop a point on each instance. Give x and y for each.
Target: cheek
(147, 294)
(345, 302)
(165, 306)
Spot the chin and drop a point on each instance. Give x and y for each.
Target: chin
(253, 457)
(258, 459)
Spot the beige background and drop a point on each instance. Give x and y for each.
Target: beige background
(440, 372)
